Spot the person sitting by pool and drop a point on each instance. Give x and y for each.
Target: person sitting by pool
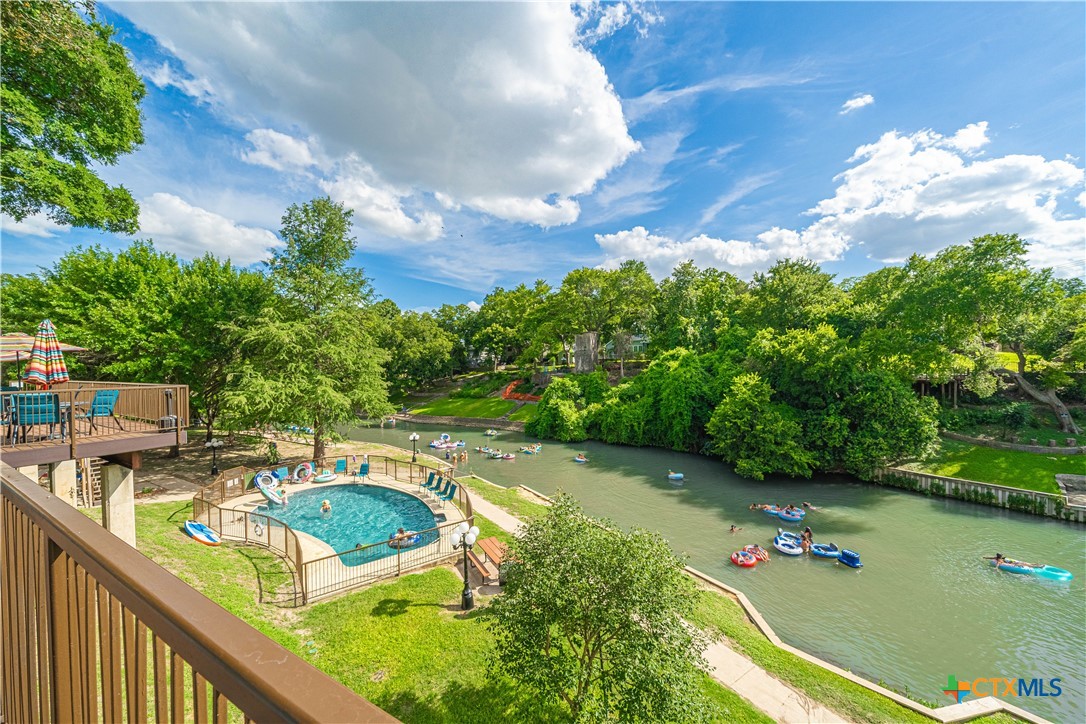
(733, 529)
(326, 507)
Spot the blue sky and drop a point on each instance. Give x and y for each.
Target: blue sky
(488, 144)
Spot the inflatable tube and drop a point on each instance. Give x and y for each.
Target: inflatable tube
(775, 511)
(203, 534)
(744, 559)
(758, 552)
(822, 550)
(580, 460)
(411, 538)
(444, 437)
(674, 476)
(789, 536)
(266, 478)
(787, 547)
(793, 516)
(490, 433)
(1050, 573)
(850, 558)
(273, 494)
(303, 472)
(508, 456)
(326, 476)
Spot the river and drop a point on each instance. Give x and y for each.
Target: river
(924, 606)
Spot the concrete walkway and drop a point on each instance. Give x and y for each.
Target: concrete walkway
(738, 673)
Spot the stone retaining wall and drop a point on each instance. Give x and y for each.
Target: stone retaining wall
(1028, 501)
(1079, 450)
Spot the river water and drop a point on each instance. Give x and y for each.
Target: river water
(924, 606)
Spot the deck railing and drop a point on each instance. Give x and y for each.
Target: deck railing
(72, 417)
(94, 631)
(345, 569)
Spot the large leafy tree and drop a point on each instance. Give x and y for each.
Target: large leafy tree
(311, 356)
(690, 306)
(420, 351)
(70, 100)
(503, 323)
(792, 294)
(593, 616)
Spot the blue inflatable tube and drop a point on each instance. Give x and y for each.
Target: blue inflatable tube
(792, 516)
(823, 550)
(1050, 573)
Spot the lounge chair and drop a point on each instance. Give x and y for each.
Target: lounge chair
(101, 406)
(447, 495)
(341, 466)
(428, 482)
(362, 472)
(448, 484)
(436, 486)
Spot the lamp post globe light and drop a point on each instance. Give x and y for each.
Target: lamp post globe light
(414, 437)
(214, 444)
(464, 537)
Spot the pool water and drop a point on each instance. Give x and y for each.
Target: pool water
(360, 514)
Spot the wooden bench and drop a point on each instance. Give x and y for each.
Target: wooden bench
(484, 568)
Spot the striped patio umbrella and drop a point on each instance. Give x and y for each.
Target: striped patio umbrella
(46, 366)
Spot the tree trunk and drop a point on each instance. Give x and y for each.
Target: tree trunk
(1017, 347)
(1048, 397)
(318, 442)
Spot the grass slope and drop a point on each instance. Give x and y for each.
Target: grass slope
(525, 413)
(466, 407)
(508, 499)
(1031, 471)
(403, 644)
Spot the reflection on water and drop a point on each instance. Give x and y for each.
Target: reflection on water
(924, 606)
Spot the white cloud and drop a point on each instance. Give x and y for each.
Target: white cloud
(37, 225)
(165, 76)
(902, 195)
(597, 20)
(658, 98)
(474, 306)
(496, 106)
(189, 231)
(378, 206)
(856, 103)
(278, 150)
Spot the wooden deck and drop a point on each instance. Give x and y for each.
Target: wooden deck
(143, 417)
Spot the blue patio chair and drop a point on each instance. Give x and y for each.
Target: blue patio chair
(101, 406)
(448, 495)
(448, 484)
(428, 482)
(436, 487)
(283, 473)
(341, 466)
(38, 408)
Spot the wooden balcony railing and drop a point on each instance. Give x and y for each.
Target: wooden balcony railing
(87, 419)
(94, 631)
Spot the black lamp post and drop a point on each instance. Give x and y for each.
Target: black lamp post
(214, 443)
(464, 537)
(414, 438)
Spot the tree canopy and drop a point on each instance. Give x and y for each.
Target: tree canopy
(70, 99)
(593, 616)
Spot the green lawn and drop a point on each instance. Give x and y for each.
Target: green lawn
(526, 413)
(505, 498)
(403, 644)
(1031, 471)
(466, 407)
(718, 613)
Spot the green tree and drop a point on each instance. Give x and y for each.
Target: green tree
(792, 294)
(593, 616)
(311, 356)
(503, 328)
(689, 307)
(757, 435)
(420, 351)
(460, 322)
(70, 100)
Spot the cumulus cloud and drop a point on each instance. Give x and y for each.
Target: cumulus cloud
(37, 225)
(278, 150)
(856, 103)
(189, 231)
(903, 194)
(597, 20)
(496, 106)
(165, 76)
(379, 206)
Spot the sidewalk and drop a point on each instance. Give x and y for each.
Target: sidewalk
(731, 669)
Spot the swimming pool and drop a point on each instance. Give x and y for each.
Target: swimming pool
(360, 514)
